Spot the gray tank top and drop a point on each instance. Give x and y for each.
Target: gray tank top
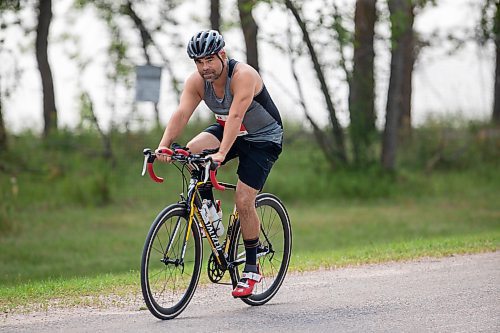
(262, 121)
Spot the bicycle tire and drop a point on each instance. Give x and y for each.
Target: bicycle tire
(167, 285)
(275, 232)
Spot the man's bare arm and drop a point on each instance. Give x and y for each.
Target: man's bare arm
(190, 98)
(244, 85)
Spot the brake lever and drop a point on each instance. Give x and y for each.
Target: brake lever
(144, 165)
(148, 158)
(207, 171)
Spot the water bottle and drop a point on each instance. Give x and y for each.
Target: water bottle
(209, 213)
(216, 218)
(205, 213)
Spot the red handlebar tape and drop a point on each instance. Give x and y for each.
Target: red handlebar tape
(182, 152)
(152, 174)
(216, 184)
(166, 151)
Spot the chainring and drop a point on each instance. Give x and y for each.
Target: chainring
(215, 273)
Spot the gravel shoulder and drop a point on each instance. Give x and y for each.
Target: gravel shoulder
(452, 294)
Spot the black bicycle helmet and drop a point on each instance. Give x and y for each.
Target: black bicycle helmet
(205, 43)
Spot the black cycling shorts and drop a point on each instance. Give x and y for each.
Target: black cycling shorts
(255, 158)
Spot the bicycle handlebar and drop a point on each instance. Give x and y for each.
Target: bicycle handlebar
(183, 156)
(213, 179)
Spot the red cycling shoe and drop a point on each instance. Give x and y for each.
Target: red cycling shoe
(245, 287)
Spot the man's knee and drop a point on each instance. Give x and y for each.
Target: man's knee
(244, 202)
(245, 198)
(193, 145)
(202, 141)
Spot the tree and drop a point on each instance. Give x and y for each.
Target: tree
(3, 130)
(490, 25)
(41, 45)
(338, 150)
(250, 30)
(9, 71)
(320, 135)
(111, 12)
(496, 34)
(362, 83)
(215, 14)
(406, 38)
(398, 110)
(488, 30)
(147, 40)
(402, 16)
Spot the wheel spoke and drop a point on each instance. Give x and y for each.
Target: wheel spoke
(168, 280)
(275, 237)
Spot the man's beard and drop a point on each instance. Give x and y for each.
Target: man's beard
(210, 76)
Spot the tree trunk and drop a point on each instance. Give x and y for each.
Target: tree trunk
(215, 14)
(407, 47)
(3, 131)
(250, 30)
(496, 34)
(362, 93)
(105, 138)
(146, 38)
(401, 20)
(42, 33)
(320, 136)
(338, 134)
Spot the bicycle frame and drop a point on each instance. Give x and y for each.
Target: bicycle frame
(193, 204)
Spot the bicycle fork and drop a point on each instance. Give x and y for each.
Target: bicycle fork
(179, 261)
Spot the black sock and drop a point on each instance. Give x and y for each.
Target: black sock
(251, 246)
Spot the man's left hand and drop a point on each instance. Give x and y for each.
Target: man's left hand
(218, 157)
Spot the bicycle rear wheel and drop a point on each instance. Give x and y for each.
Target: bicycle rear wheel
(169, 280)
(274, 251)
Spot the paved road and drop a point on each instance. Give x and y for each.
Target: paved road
(455, 294)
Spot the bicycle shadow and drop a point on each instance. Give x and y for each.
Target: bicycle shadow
(237, 311)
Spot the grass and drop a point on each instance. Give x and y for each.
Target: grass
(68, 292)
(72, 229)
(71, 257)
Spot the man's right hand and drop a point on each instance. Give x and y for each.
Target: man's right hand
(162, 157)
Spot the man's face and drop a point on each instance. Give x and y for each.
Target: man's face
(210, 67)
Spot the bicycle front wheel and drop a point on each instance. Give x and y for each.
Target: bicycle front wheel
(274, 250)
(170, 274)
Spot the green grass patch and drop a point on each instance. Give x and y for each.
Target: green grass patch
(77, 291)
(76, 262)
(72, 224)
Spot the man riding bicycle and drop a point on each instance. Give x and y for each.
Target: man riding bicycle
(248, 126)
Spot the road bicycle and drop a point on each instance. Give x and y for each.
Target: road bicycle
(173, 252)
